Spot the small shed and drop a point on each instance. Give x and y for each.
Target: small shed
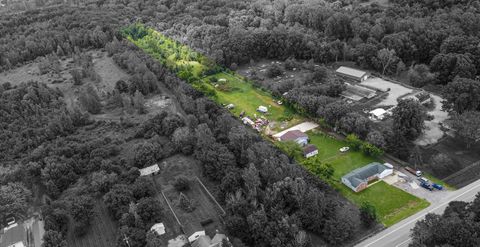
(378, 114)
(310, 151)
(351, 73)
(262, 109)
(149, 170)
(158, 228)
(222, 80)
(195, 236)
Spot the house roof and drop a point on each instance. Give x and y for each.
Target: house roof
(309, 148)
(361, 174)
(15, 235)
(202, 241)
(159, 228)
(351, 72)
(378, 112)
(293, 135)
(217, 239)
(149, 170)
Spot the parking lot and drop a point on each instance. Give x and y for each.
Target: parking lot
(409, 183)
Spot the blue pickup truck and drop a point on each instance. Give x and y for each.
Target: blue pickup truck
(425, 183)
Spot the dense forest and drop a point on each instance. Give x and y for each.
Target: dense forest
(49, 147)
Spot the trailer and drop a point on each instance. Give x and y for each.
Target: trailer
(413, 171)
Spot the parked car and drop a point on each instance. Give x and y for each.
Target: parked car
(427, 186)
(437, 186)
(344, 149)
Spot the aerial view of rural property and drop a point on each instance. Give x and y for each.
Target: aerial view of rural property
(239, 123)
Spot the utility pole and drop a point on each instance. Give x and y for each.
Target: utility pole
(126, 240)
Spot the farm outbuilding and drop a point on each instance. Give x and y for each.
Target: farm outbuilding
(149, 170)
(159, 228)
(353, 74)
(358, 179)
(310, 151)
(378, 114)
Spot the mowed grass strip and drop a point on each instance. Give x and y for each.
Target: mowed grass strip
(392, 204)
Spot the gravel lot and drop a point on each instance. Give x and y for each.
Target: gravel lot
(432, 132)
(396, 90)
(434, 196)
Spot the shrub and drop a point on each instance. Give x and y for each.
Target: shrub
(181, 183)
(371, 150)
(354, 142)
(368, 214)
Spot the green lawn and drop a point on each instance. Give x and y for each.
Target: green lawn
(392, 204)
(438, 181)
(247, 98)
(343, 163)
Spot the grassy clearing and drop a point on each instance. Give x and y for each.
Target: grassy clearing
(438, 181)
(392, 204)
(247, 98)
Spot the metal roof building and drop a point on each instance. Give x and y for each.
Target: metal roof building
(354, 74)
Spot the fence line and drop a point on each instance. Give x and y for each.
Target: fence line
(171, 209)
(210, 195)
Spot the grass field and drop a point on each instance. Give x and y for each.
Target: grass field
(247, 98)
(102, 232)
(391, 203)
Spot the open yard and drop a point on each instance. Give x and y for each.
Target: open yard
(392, 204)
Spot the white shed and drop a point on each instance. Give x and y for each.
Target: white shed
(378, 113)
(149, 170)
(158, 228)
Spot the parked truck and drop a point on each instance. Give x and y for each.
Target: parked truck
(413, 171)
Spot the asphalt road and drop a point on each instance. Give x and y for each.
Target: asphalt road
(399, 234)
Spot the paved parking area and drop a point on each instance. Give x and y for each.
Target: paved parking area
(411, 185)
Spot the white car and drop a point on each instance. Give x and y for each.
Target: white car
(344, 149)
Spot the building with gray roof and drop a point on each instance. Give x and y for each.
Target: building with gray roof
(358, 179)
